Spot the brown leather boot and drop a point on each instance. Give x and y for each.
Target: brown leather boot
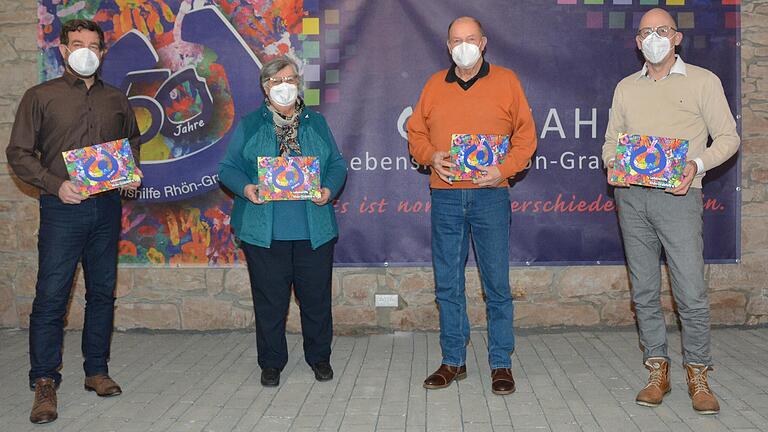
(444, 376)
(702, 398)
(658, 383)
(44, 408)
(103, 385)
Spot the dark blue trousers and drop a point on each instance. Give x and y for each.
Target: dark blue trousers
(86, 232)
(272, 271)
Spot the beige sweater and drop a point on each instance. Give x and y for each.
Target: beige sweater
(689, 106)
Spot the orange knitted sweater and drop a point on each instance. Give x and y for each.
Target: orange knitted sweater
(495, 104)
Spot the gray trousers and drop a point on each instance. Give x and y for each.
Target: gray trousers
(651, 219)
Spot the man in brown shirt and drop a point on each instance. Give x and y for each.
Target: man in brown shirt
(74, 111)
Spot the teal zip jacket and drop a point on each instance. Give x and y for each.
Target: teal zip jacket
(254, 137)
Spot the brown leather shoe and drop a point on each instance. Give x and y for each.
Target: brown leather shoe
(444, 375)
(704, 401)
(44, 408)
(658, 383)
(103, 385)
(502, 382)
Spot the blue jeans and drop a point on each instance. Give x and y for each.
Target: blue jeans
(485, 214)
(88, 231)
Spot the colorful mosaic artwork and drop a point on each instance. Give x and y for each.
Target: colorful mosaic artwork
(473, 153)
(650, 161)
(289, 178)
(188, 68)
(101, 167)
(165, 235)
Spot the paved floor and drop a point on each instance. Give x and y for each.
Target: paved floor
(572, 381)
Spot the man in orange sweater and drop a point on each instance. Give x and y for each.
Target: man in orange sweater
(471, 97)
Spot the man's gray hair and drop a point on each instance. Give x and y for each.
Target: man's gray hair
(270, 68)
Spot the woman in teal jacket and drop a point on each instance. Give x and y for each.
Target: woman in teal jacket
(286, 243)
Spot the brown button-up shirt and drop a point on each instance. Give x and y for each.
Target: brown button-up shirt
(63, 114)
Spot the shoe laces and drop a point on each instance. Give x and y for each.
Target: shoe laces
(656, 375)
(45, 393)
(699, 381)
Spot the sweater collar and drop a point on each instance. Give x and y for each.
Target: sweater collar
(451, 76)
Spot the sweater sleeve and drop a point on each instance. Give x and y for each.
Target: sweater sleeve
(418, 132)
(522, 143)
(233, 168)
(616, 126)
(720, 124)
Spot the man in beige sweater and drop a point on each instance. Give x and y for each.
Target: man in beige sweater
(670, 98)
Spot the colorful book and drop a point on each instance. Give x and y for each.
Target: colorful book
(101, 167)
(289, 178)
(472, 153)
(647, 160)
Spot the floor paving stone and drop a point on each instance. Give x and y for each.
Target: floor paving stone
(569, 380)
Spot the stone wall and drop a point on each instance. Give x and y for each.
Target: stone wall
(202, 299)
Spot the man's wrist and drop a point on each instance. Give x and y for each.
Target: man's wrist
(432, 158)
(699, 165)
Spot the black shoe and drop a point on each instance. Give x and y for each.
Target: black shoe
(323, 371)
(270, 377)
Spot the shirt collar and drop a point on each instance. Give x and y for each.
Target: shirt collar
(451, 76)
(677, 68)
(73, 80)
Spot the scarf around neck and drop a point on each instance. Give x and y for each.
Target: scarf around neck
(287, 129)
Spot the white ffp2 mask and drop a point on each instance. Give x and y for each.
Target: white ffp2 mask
(655, 48)
(83, 61)
(465, 55)
(284, 94)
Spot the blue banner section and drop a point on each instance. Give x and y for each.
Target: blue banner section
(191, 72)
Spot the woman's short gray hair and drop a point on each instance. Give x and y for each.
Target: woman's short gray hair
(270, 68)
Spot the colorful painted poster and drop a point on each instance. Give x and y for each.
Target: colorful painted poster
(188, 69)
(472, 153)
(652, 161)
(101, 167)
(191, 71)
(289, 178)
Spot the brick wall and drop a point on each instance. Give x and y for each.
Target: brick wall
(199, 299)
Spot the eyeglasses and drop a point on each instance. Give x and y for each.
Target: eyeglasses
(663, 31)
(292, 79)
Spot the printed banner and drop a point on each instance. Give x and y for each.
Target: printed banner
(191, 67)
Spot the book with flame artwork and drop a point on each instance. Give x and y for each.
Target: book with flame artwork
(101, 167)
(647, 160)
(289, 178)
(472, 153)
